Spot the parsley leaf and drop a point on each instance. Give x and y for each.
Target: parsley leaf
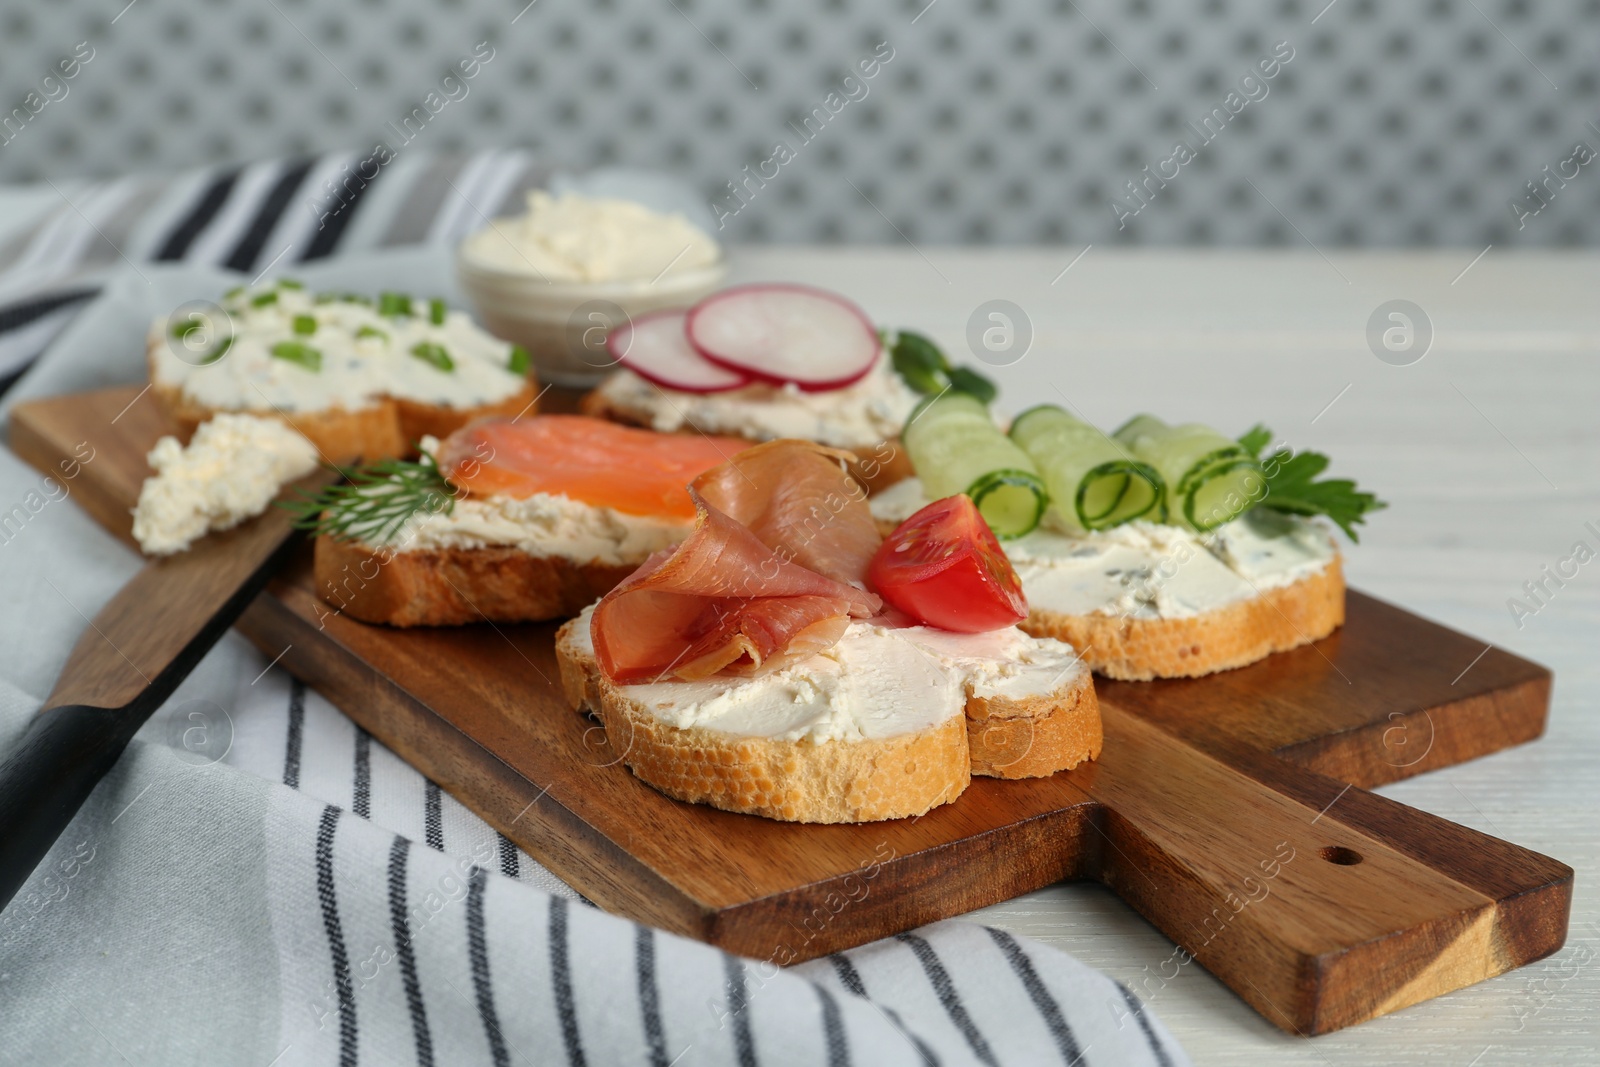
(1292, 486)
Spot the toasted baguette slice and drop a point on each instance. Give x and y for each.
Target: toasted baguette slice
(452, 586)
(891, 775)
(883, 464)
(385, 429)
(1240, 633)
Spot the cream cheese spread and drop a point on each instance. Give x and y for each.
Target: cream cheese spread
(1150, 570)
(231, 470)
(876, 682)
(544, 525)
(857, 416)
(572, 238)
(361, 355)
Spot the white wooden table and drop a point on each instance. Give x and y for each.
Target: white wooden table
(1488, 451)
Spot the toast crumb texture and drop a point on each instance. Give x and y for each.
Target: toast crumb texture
(451, 586)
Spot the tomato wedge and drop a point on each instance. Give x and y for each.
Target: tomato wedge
(944, 567)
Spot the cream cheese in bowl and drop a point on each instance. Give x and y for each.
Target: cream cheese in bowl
(557, 279)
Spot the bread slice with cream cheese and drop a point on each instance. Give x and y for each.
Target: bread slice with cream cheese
(492, 559)
(1146, 600)
(888, 723)
(358, 380)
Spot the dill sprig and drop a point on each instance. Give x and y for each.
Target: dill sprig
(374, 501)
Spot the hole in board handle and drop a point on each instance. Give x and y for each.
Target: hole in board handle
(1344, 857)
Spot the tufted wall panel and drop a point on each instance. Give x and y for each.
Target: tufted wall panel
(1004, 121)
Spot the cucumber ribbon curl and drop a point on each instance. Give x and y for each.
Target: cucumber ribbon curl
(1094, 483)
(957, 448)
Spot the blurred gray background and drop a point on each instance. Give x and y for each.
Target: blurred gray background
(995, 121)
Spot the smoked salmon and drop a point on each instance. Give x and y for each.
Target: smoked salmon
(774, 577)
(638, 472)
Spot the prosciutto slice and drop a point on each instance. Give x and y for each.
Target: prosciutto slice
(774, 571)
(803, 501)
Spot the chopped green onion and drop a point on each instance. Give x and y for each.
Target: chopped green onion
(231, 293)
(372, 331)
(520, 360)
(184, 327)
(356, 298)
(305, 325)
(433, 354)
(289, 283)
(298, 352)
(261, 300)
(436, 312)
(394, 304)
(220, 351)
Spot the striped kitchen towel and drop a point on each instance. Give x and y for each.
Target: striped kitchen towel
(250, 218)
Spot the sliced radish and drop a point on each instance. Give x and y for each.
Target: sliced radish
(654, 347)
(785, 333)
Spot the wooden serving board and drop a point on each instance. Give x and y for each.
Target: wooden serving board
(1230, 811)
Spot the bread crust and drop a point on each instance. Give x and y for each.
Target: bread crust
(835, 781)
(1037, 736)
(1236, 635)
(883, 464)
(795, 781)
(449, 587)
(388, 428)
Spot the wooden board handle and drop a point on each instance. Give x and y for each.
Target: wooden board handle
(1318, 903)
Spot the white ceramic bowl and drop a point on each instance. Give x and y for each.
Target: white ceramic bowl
(564, 325)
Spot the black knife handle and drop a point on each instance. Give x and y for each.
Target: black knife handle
(48, 775)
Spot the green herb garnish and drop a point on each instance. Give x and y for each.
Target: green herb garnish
(231, 293)
(218, 352)
(298, 352)
(919, 361)
(436, 312)
(434, 354)
(305, 325)
(372, 331)
(520, 360)
(924, 367)
(967, 380)
(289, 283)
(1292, 486)
(394, 304)
(374, 501)
(261, 300)
(184, 327)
